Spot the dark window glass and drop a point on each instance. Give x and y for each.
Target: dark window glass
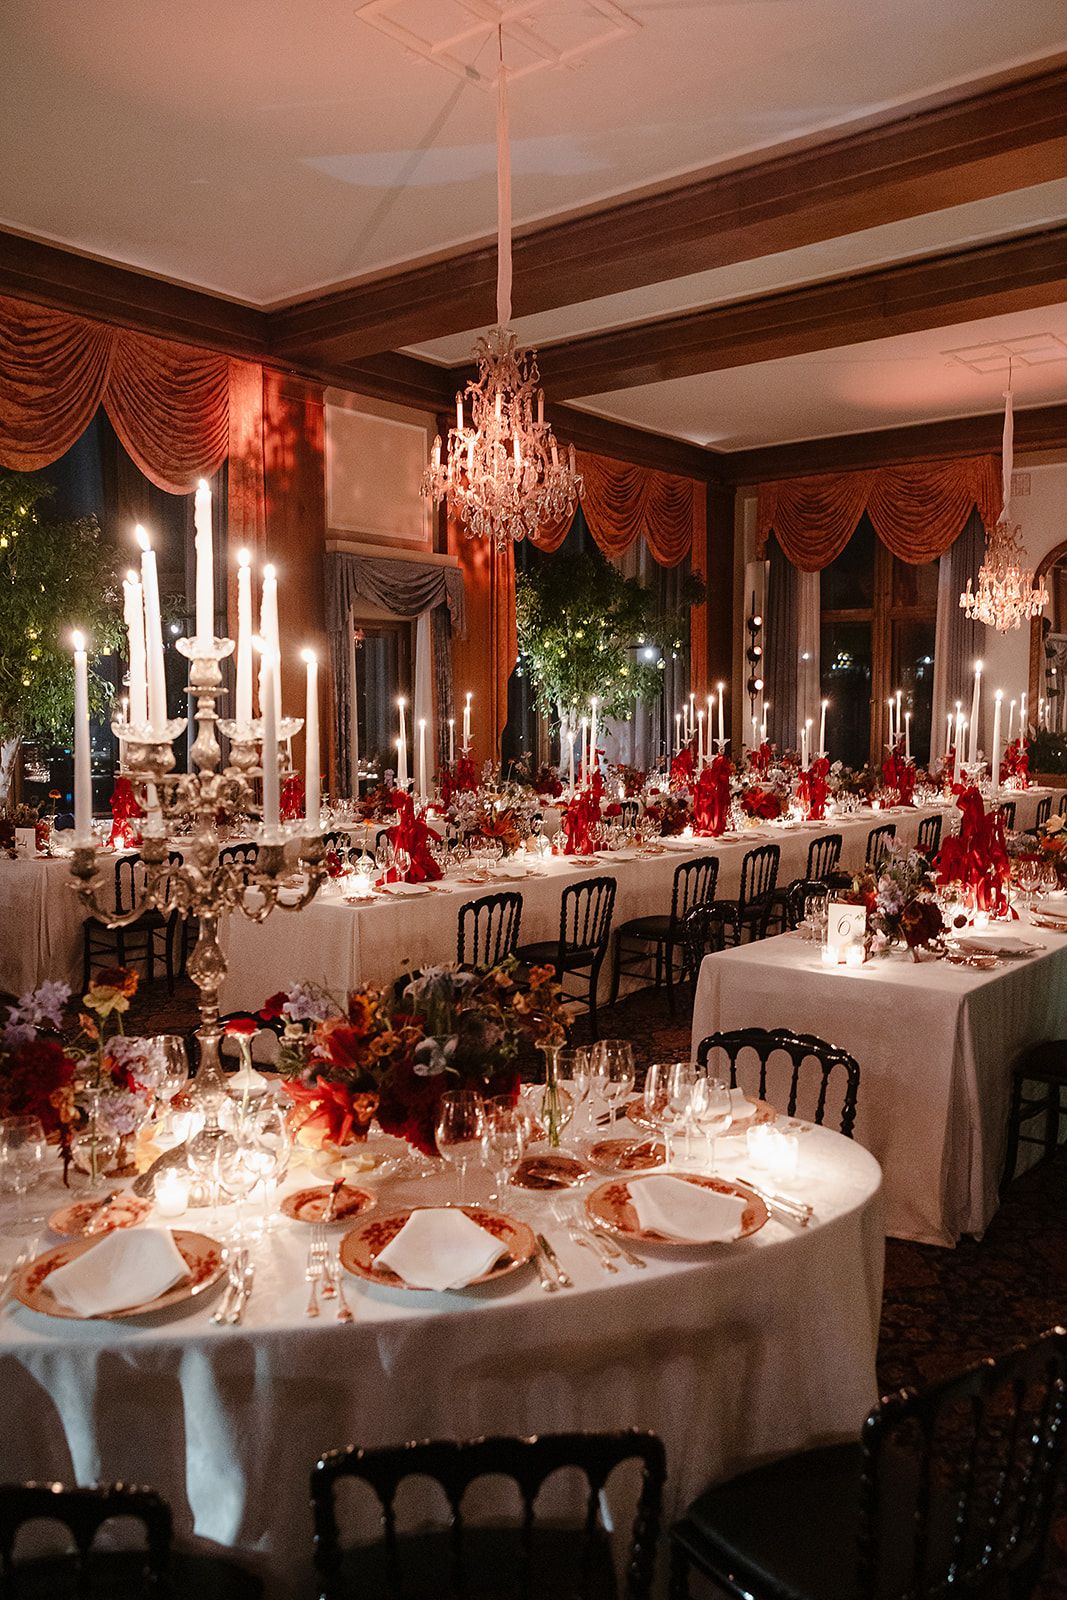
(383, 673)
(915, 586)
(913, 675)
(845, 662)
(847, 584)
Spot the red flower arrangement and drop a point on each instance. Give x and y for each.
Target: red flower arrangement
(977, 857)
(767, 804)
(711, 799)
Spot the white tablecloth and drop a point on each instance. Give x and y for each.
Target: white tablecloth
(41, 917)
(731, 1353)
(341, 945)
(935, 1044)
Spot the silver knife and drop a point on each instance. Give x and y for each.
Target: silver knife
(797, 1210)
(14, 1269)
(583, 1237)
(244, 1290)
(553, 1260)
(548, 1281)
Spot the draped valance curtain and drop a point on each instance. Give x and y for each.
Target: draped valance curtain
(621, 501)
(169, 403)
(918, 509)
(409, 589)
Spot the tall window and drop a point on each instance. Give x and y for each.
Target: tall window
(878, 622)
(384, 671)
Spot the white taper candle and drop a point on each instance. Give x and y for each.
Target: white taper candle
(133, 611)
(312, 763)
(153, 628)
(205, 563)
(83, 776)
(243, 697)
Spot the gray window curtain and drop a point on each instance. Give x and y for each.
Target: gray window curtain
(956, 640)
(781, 654)
(646, 739)
(406, 589)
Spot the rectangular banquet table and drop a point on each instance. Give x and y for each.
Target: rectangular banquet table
(935, 1044)
(341, 945)
(732, 1353)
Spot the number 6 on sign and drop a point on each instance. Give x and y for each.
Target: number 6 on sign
(846, 925)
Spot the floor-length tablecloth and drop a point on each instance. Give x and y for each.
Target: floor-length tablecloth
(341, 945)
(731, 1353)
(935, 1043)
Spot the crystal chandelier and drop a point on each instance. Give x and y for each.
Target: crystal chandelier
(505, 474)
(1006, 595)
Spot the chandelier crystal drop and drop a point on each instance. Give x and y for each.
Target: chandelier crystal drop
(1006, 595)
(504, 474)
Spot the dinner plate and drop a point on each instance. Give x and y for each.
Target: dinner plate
(552, 1170)
(405, 889)
(1002, 945)
(70, 1222)
(361, 1248)
(309, 1205)
(627, 1155)
(203, 1257)
(610, 1207)
(635, 1112)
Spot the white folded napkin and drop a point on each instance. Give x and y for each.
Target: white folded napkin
(440, 1249)
(1002, 943)
(127, 1268)
(681, 1210)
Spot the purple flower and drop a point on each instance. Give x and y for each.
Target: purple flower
(307, 1004)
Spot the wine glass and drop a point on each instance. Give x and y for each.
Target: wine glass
(612, 1064)
(23, 1148)
(712, 1110)
(668, 1097)
(202, 1154)
(576, 1069)
(172, 1061)
(507, 1130)
(459, 1132)
(270, 1147)
(236, 1173)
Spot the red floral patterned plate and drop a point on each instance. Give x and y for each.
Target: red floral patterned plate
(309, 1205)
(610, 1206)
(71, 1222)
(360, 1248)
(203, 1256)
(627, 1155)
(635, 1112)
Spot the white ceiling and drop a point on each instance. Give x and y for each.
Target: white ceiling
(266, 148)
(884, 383)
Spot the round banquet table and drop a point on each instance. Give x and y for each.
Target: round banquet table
(732, 1353)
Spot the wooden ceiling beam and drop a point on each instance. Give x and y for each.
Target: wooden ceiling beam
(1004, 138)
(1012, 274)
(48, 275)
(1037, 428)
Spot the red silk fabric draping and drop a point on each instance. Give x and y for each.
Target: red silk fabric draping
(621, 501)
(917, 509)
(169, 403)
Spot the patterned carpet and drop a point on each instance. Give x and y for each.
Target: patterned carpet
(942, 1308)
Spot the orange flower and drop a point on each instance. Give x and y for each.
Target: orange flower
(111, 990)
(361, 1009)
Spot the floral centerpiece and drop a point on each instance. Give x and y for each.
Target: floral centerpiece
(765, 804)
(393, 1058)
(1052, 845)
(36, 1068)
(334, 1058)
(474, 1025)
(670, 813)
(116, 1074)
(901, 908)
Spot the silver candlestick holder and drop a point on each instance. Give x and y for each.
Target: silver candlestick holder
(201, 886)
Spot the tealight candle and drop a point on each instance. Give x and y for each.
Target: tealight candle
(783, 1153)
(171, 1192)
(758, 1141)
(829, 955)
(854, 955)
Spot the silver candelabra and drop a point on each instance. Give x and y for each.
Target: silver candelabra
(202, 886)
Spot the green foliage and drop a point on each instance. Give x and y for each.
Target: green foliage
(55, 575)
(1048, 752)
(581, 625)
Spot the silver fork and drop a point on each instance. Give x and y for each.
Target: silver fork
(580, 1237)
(313, 1272)
(329, 1288)
(229, 1294)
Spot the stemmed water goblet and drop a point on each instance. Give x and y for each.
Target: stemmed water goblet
(460, 1130)
(712, 1110)
(23, 1148)
(270, 1146)
(668, 1098)
(612, 1066)
(237, 1176)
(172, 1073)
(507, 1132)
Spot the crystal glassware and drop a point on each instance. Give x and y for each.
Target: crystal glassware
(612, 1064)
(459, 1132)
(23, 1148)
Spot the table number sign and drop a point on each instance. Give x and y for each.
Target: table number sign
(846, 928)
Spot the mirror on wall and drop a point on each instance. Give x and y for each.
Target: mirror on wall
(1048, 645)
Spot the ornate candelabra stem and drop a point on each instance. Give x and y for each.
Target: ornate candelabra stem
(200, 885)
